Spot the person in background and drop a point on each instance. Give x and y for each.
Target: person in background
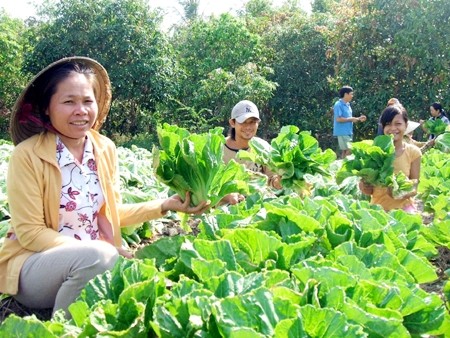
(63, 188)
(436, 112)
(407, 159)
(244, 123)
(409, 137)
(390, 102)
(343, 120)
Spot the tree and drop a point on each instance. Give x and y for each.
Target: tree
(124, 36)
(217, 56)
(396, 48)
(302, 69)
(11, 57)
(190, 9)
(296, 50)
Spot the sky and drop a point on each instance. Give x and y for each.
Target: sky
(22, 9)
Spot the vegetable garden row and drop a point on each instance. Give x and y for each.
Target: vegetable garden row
(313, 260)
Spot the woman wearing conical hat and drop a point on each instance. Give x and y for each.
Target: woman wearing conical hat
(63, 188)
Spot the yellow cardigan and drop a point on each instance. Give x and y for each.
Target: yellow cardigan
(34, 188)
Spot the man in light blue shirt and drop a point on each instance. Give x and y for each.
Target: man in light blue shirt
(343, 120)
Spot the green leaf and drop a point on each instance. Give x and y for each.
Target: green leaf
(189, 162)
(327, 323)
(29, 327)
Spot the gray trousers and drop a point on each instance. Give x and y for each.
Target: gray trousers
(55, 278)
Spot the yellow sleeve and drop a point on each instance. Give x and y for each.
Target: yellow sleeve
(33, 187)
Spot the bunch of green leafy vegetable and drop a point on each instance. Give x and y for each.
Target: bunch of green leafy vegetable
(373, 162)
(292, 155)
(188, 162)
(401, 185)
(435, 127)
(442, 142)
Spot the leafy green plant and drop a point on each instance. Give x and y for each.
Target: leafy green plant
(323, 266)
(442, 142)
(373, 162)
(435, 127)
(434, 187)
(292, 155)
(189, 162)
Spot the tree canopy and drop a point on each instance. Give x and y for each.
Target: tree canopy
(289, 62)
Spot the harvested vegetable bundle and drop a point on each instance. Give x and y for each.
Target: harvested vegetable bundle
(401, 185)
(292, 154)
(442, 142)
(373, 161)
(194, 163)
(435, 127)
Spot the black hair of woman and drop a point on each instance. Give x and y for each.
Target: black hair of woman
(438, 107)
(390, 112)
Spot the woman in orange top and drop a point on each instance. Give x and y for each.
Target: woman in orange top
(394, 120)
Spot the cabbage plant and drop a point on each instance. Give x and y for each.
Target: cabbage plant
(189, 162)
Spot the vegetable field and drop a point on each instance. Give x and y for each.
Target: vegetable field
(326, 264)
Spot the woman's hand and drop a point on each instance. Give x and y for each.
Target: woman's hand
(366, 189)
(275, 182)
(175, 203)
(233, 198)
(411, 194)
(125, 253)
(403, 197)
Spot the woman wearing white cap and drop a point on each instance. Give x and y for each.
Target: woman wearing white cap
(63, 188)
(244, 123)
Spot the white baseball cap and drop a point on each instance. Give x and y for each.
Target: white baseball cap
(244, 110)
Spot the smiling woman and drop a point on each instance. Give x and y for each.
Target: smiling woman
(63, 189)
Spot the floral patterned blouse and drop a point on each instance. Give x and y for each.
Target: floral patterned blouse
(81, 194)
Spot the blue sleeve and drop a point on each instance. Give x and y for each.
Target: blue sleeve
(338, 110)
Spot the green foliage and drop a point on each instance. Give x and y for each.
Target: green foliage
(434, 187)
(222, 90)
(279, 266)
(232, 68)
(302, 66)
(292, 155)
(194, 163)
(372, 160)
(392, 49)
(442, 142)
(214, 42)
(11, 78)
(190, 8)
(290, 63)
(435, 127)
(303, 277)
(258, 8)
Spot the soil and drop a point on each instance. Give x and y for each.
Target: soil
(9, 305)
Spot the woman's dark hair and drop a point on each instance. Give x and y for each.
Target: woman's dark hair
(437, 106)
(390, 112)
(344, 90)
(232, 133)
(48, 83)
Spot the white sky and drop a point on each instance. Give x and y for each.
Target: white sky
(22, 9)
